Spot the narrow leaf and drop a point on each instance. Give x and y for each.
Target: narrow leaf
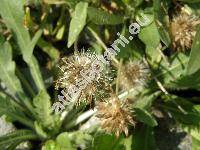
(150, 36)
(77, 23)
(193, 64)
(16, 136)
(143, 139)
(161, 20)
(43, 109)
(12, 13)
(7, 67)
(145, 117)
(101, 17)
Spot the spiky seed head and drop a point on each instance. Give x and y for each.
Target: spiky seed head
(183, 30)
(133, 73)
(71, 68)
(114, 116)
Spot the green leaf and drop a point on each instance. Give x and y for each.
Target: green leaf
(153, 54)
(7, 67)
(195, 144)
(188, 81)
(183, 111)
(13, 15)
(64, 142)
(16, 136)
(78, 22)
(150, 36)
(35, 72)
(145, 117)
(146, 99)
(127, 142)
(143, 139)
(8, 75)
(193, 64)
(48, 48)
(101, 17)
(169, 73)
(13, 110)
(195, 133)
(51, 145)
(162, 20)
(35, 39)
(43, 109)
(107, 142)
(39, 130)
(80, 139)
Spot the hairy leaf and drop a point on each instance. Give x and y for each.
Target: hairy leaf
(16, 137)
(43, 109)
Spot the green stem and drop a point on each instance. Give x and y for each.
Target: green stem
(118, 76)
(101, 42)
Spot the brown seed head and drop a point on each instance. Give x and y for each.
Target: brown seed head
(183, 30)
(115, 117)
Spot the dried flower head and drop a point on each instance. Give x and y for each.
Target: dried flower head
(183, 30)
(77, 70)
(133, 74)
(114, 116)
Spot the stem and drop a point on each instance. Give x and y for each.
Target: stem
(85, 116)
(101, 43)
(81, 118)
(118, 76)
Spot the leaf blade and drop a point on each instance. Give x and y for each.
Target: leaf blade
(78, 22)
(193, 64)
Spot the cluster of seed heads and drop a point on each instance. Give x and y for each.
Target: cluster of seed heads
(115, 116)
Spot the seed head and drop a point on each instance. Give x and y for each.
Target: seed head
(133, 74)
(183, 30)
(77, 69)
(114, 116)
